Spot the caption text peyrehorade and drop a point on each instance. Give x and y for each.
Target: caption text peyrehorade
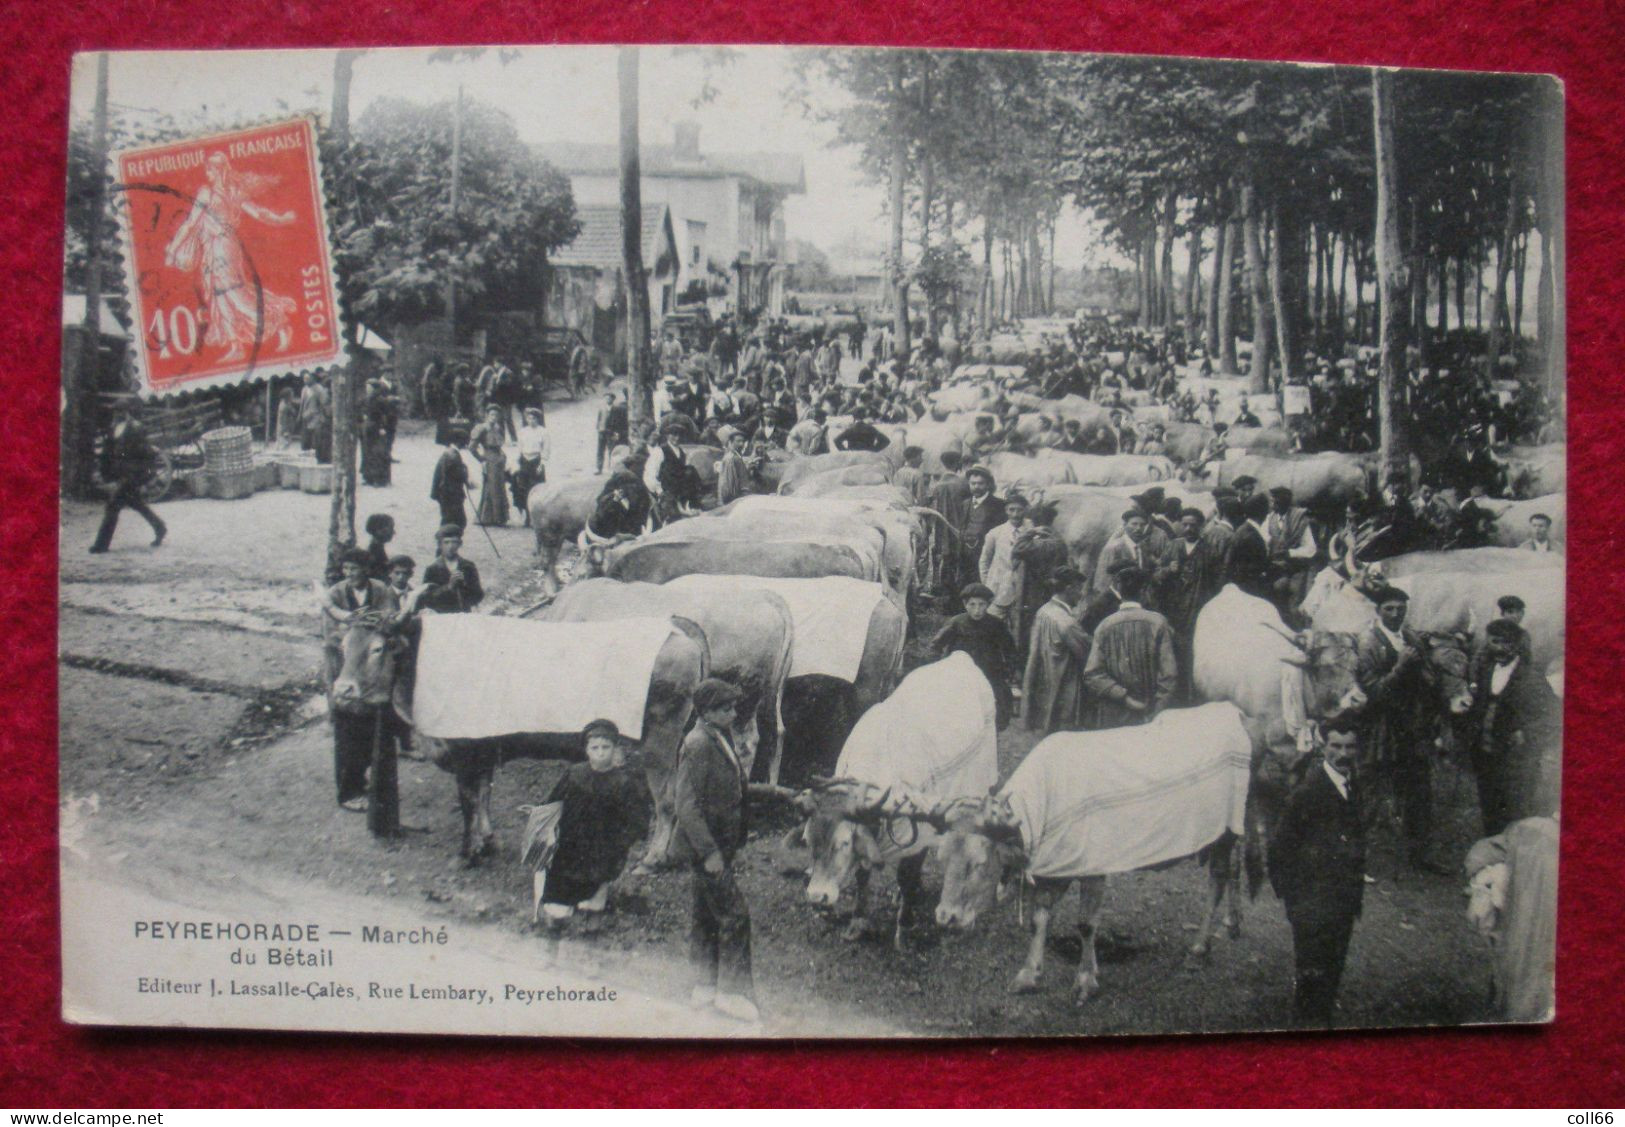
(281, 948)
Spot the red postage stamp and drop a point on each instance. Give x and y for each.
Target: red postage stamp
(228, 258)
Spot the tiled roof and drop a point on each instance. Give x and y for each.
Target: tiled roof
(599, 243)
(778, 170)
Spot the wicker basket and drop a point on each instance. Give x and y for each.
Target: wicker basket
(233, 486)
(228, 450)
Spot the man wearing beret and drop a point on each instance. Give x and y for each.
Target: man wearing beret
(709, 790)
(1390, 665)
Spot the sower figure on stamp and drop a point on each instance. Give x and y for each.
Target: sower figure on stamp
(1317, 868)
(710, 809)
(127, 461)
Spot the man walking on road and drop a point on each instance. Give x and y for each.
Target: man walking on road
(127, 461)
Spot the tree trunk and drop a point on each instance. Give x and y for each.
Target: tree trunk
(1225, 284)
(928, 186)
(81, 373)
(1258, 292)
(1211, 327)
(341, 507)
(639, 372)
(1342, 298)
(1193, 272)
(1359, 296)
(1391, 285)
(1503, 262)
(1461, 291)
(899, 173)
(1550, 214)
(987, 273)
(1049, 298)
(1288, 273)
(1520, 266)
(1419, 286)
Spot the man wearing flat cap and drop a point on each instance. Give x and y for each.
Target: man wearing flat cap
(1515, 725)
(709, 790)
(451, 584)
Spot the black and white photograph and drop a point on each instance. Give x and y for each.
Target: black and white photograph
(768, 542)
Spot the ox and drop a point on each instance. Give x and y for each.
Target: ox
(558, 512)
(933, 738)
(1317, 481)
(749, 634)
(376, 673)
(845, 657)
(1086, 805)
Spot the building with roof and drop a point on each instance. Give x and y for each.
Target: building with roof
(727, 210)
(586, 290)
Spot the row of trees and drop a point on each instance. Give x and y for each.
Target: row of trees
(1265, 176)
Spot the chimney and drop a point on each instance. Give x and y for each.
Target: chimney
(688, 141)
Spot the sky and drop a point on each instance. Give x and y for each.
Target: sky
(553, 94)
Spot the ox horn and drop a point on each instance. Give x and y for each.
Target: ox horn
(1293, 638)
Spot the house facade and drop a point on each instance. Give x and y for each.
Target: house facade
(726, 208)
(585, 288)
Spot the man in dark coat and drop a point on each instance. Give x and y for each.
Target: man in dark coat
(127, 461)
(984, 511)
(1193, 572)
(1249, 566)
(451, 584)
(862, 434)
(1391, 669)
(1317, 868)
(1516, 723)
(449, 486)
(709, 790)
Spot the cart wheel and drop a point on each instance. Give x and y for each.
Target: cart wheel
(161, 481)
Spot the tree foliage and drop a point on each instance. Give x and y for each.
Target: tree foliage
(399, 243)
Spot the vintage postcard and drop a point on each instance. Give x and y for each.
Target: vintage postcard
(782, 542)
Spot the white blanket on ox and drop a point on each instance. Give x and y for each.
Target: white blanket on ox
(1094, 803)
(480, 675)
(934, 738)
(830, 616)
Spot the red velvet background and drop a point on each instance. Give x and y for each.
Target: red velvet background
(1575, 1063)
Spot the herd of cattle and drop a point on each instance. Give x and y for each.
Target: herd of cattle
(802, 597)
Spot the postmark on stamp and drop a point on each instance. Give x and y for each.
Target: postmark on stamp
(228, 259)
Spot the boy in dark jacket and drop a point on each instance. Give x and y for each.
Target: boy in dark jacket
(710, 812)
(987, 641)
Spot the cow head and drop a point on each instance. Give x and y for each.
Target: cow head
(366, 680)
(980, 852)
(1328, 664)
(842, 831)
(1448, 670)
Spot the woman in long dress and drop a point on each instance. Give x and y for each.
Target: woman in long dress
(486, 442)
(239, 313)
